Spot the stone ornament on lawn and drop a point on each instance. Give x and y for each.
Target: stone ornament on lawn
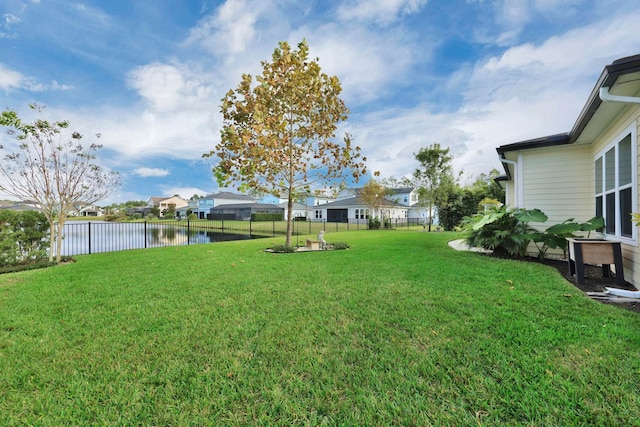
(323, 243)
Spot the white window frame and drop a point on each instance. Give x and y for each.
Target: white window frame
(602, 192)
(362, 213)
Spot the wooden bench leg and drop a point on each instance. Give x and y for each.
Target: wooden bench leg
(579, 264)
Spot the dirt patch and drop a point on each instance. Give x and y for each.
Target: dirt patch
(594, 282)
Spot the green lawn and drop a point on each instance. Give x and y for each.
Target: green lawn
(399, 330)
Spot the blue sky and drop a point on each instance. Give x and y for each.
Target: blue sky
(149, 75)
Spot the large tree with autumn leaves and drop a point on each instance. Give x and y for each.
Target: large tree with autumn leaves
(278, 134)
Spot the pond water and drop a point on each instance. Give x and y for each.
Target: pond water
(101, 236)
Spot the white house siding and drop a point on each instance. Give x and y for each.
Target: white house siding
(559, 181)
(510, 195)
(220, 201)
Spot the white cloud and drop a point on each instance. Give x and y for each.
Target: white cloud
(230, 29)
(528, 92)
(139, 134)
(170, 87)
(8, 26)
(365, 62)
(184, 192)
(33, 86)
(390, 138)
(178, 116)
(513, 15)
(9, 79)
(10, 19)
(605, 39)
(181, 101)
(380, 11)
(151, 172)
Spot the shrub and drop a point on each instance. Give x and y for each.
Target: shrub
(24, 237)
(507, 232)
(42, 263)
(504, 231)
(118, 216)
(267, 217)
(374, 224)
(282, 249)
(340, 245)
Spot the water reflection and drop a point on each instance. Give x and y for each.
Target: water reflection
(99, 236)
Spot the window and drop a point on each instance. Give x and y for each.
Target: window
(362, 213)
(614, 184)
(318, 214)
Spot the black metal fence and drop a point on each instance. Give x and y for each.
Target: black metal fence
(83, 238)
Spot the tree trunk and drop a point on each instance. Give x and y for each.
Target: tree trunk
(52, 238)
(59, 237)
(289, 221)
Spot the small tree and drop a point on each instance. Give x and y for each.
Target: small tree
(434, 174)
(486, 186)
(277, 135)
(169, 213)
(374, 195)
(457, 202)
(51, 173)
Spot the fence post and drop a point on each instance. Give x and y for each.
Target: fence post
(89, 237)
(250, 227)
(145, 234)
(188, 232)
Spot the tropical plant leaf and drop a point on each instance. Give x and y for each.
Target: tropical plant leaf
(488, 219)
(565, 228)
(595, 223)
(530, 215)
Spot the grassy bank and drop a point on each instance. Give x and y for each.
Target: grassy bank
(399, 330)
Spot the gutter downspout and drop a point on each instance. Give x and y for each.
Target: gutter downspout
(606, 96)
(517, 185)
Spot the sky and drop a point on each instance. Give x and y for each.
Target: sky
(148, 76)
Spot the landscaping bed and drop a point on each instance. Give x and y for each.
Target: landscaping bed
(593, 283)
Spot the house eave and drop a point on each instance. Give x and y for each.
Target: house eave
(586, 124)
(545, 141)
(608, 78)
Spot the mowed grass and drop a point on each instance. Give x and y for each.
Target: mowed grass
(399, 330)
